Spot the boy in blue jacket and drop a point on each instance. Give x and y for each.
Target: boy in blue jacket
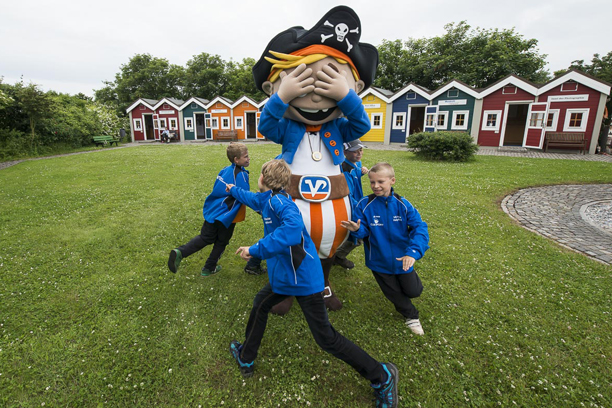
(395, 237)
(221, 213)
(353, 171)
(294, 269)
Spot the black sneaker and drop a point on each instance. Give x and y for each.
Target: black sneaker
(255, 270)
(386, 393)
(245, 369)
(208, 272)
(343, 262)
(174, 260)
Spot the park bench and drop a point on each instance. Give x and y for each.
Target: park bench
(105, 140)
(230, 135)
(560, 139)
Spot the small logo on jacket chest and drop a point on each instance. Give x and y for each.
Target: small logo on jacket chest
(376, 222)
(315, 188)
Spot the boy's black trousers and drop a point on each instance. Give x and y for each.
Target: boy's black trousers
(323, 332)
(212, 233)
(399, 289)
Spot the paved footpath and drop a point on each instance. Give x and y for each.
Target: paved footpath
(562, 213)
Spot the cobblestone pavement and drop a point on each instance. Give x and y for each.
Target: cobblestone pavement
(562, 213)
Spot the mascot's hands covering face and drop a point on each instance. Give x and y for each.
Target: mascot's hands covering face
(313, 78)
(313, 91)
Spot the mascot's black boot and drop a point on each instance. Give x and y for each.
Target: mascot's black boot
(331, 300)
(283, 307)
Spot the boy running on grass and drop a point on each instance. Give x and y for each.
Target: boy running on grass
(221, 213)
(395, 237)
(295, 270)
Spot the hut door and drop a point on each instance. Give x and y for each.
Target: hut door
(156, 126)
(431, 118)
(536, 125)
(208, 125)
(259, 135)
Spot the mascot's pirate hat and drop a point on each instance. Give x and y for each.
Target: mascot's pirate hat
(340, 29)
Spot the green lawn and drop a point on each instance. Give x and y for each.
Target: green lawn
(91, 316)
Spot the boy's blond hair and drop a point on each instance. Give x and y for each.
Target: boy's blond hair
(383, 167)
(276, 174)
(236, 150)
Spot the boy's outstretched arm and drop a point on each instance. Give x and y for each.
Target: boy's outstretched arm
(245, 197)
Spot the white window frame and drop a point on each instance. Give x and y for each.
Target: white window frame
(445, 125)
(162, 123)
(467, 119)
(485, 119)
(569, 84)
(583, 124)
(370, 98)
(166, 106)
(398, 115)
(214, 122)
(454, 95)
(194, 105)
(142, 107)
(229, 123)
(238, 120)
(555, 112)
(173, 123)
(509, 93)
(188, 123)
(138, 125)
(380, 117)
(414, 94)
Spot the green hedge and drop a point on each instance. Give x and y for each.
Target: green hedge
(449, 146)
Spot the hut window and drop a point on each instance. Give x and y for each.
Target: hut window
(569, 86)
(142, 107)
(377, 121)
(138, 124)
(491, 120)
(453, 93)
(225, 122)
(551, 119)
(245, 104)
(411, 95)
(188, 124)
(509, 90)
(576, 120)
(214, 122)
(238, 122)
(399, 120)
(460, 120)
(173, 124)
(442, 120)
(166, 106)
(219, 105)
(162, 123)
(194, 105)
(370, 98)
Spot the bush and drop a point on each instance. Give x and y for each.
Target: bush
(449, 146)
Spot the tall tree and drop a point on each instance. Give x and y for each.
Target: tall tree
(241, 82)
(478, 57)
(600, 67)
(36, 104)
(143, 76)
(205, 77)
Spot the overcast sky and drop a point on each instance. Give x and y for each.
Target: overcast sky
(72, 46)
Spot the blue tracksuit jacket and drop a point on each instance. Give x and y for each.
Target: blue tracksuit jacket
(294, 267)
(391, 228)
(220, 205)
(289, 133)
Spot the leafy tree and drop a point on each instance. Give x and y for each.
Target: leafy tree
(205, 77)
(477, 57)
(36, 104)
(143, 76)
(241, 82)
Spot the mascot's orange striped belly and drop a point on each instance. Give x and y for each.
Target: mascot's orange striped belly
(322, 220)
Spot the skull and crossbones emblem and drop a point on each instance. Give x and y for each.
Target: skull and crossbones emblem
(341, 30)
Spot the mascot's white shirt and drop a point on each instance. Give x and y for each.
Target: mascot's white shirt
(304, 164)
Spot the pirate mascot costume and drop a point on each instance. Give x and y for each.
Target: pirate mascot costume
(313, 78)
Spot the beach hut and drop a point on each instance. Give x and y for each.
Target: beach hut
(141, 119)
(245, 118)
(220, 110)
(194, 119)
(378, 107)
(452, 108)
(408, 112)
(166, 115)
